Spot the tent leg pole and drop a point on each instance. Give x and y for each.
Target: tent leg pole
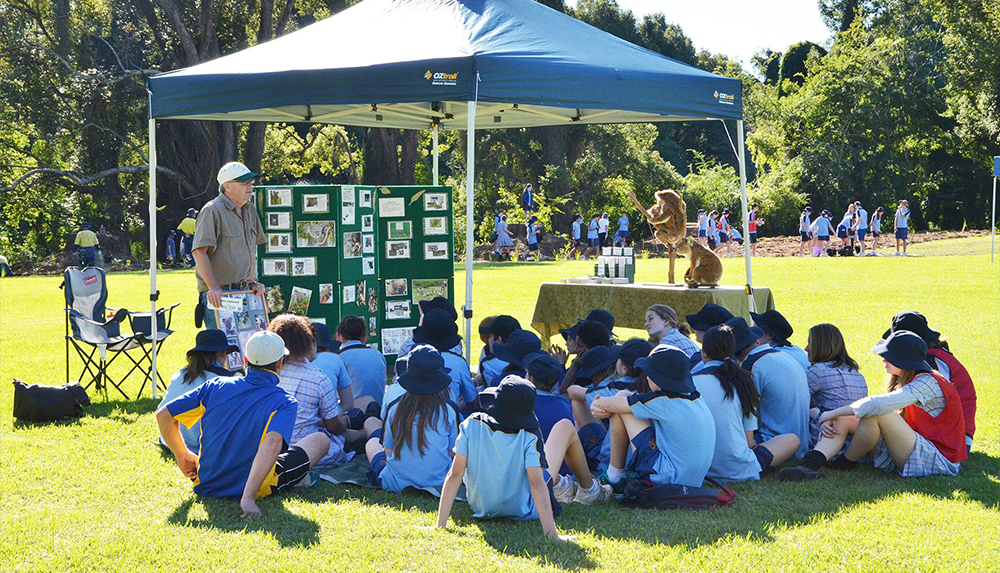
(470, 180)
(746, 210)
(434, 152)
(993, 219)
(152, 245)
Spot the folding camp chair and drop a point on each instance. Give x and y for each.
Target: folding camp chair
(142, 327)
(95, 337)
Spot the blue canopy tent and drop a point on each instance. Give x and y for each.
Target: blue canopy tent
(451, 64)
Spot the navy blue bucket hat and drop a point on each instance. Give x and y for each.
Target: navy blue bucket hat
(904, 350)
(597, 359)
(773, 323)
(570, 332)
(604, 317)
(668, 368)
(425, 372)
(519, 344)
(914, 322)
(213, 340)
(744, 334)
(710, 315)
(634, 349)
(503, 326)
(543, 367)
(438, 329)
(438, 302)
(511, 404)
(321, 333)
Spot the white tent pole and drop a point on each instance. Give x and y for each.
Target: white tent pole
(470, 180)
(434, 142)
(746, 219)
(993, 219)
(153, 294)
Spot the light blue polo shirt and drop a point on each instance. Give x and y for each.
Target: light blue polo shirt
(366, 367)
(702, 222)
(236, 414)
(823, 227)
(623, 224)
(609, 387)
(532, 234)
(491, 368)
(333, 366)
(877, 224)
(798, 354)
(413, 469)
(592, 230)
(462, 387)
(733, 459)
(804, 223)
(685, 436)
(784, 397)
(576, 229)
(176, 388)
(862, 219)
(902, 218)
(496, 478)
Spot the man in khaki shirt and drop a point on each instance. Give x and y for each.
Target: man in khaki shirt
(225, 240)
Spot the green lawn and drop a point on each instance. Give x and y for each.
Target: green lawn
(97, 495)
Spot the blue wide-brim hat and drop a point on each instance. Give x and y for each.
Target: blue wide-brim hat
(439, 330)
(425, 372)
(634, 349)
(321, 333)
(511, 404)
(597, 359)
(604, 317)
(438, 302)
(570, 332)
(904, 350)
(669, 368)
(519, 344)
(916, 323)
(543, 367)
(213, 340)
(772, 322)
(710, 315)
(744, 334)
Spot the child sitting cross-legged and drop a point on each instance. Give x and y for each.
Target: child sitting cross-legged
(499, 455)
(670, 427)
(412, 448)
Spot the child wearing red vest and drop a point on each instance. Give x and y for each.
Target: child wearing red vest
(928, 439)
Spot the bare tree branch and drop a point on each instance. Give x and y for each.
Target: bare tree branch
(78, 180)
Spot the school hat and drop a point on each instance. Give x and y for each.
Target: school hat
(914, 322)
(503, 325)
(604, 317)
(321, 333)
(425, 372)
(441, 303)
(669, 368)
(880, 210)
(701, 210)
(808, 209)
(519, 344)
(710, 315)
(597, 359)
(192, 212)
(744, 334)
(212, 340)
(235, 171)
(84, 225)
(773, 323)
(172, 233)
(265, 348)
(905, 350)
(438, 330)
(634, 349)
(543, 367)
(511, 403)
(570, 332)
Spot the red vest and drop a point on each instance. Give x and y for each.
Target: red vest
(947, 431)
(753, 222)
(962, 382)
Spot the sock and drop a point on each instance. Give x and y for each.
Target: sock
(814, 460)
(614, 474)
(593, 487)
(565, 482)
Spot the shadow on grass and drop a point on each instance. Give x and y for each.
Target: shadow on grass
(125, 411)
(288, 529)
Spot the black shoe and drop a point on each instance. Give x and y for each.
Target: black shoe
(841, 463)
(799, 473)
(356, 419)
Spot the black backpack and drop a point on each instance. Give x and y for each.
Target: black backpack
(646, 494)
(34, 403)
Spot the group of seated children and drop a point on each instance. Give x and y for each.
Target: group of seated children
(534, 426)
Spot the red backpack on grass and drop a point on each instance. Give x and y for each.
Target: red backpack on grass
(646, 494)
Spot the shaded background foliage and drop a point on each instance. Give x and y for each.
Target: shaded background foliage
(903, 101)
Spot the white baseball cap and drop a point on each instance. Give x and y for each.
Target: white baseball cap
(265, 348)
(235, 171)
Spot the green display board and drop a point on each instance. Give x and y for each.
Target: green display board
(341, 250)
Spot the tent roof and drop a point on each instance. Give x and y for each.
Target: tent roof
(412, 63)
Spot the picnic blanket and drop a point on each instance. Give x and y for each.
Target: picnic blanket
(355, 472)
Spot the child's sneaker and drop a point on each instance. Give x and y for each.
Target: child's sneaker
(616, 487)
(799, 473)
(565, 489)
(600, 493)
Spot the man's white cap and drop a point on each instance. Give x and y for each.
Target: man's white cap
(265, 348)
(235, 171)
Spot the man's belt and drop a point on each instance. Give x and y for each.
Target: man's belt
(243, 285)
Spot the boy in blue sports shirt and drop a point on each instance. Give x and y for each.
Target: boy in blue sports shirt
(365, 365)
(777, 331)
(247, 422)
(332, 365)
(575, 238)
(593, 238)
(670, 427)
(514, 351)
(622, 232)
(822, 228)
(499, 331)
(702, 227)
(499, 455)
(902, 220)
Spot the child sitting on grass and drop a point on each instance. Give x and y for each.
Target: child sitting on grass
(499, 455)
(589, 335)
(833, 377)
(670, 427)
(412, 448)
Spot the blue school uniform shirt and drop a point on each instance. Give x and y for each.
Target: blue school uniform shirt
(823, 227)
(862, 219)
(171, 247)
(592, 230)
(550, 409)
(532, 234)
(366, 367)
(724, 224)
(713, 229)
(877, 224)
(610, 387)
(804, 223)
(576, 229)
(798, 354)
(333, 366)
(685, 436)
(902, 218)
(491, 368)
(623, 224)
(784, 397)
(732, 459)
(236, 413)
(848, 220)
(496, 478)
(411, 469)
(177, 387)
(462, 388)
(702, 223)
(495, 381)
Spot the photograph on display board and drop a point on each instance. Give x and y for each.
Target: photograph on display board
(397, 310)
(368, 266)
(352, 245)
(365, 199)
(396, 287)
(397, 249)
(367, 223)
(275, 300)
(227, 322)
(279, 197)
(372, 327)
(372, 300)
(243, 320)
(275, 267)
(260, 322)
(347, 205)
(279, 242)
(279, 221)
(303, 266)
(255, 303)
(391, 207)
(234, 361)
(310, 234)
(399, 230)
(368, 244)
(316, 203)
(435, 202)
(435, 225)
(298, 302)
(239, 325)
(360, 299)
(436, 251)
(426, 289)
(326, 293)
(393, 339)
(349, 294)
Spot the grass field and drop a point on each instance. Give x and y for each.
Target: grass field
(96, 494)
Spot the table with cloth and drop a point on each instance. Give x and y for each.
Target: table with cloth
(560, 305)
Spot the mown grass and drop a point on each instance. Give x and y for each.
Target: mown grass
(95, 494)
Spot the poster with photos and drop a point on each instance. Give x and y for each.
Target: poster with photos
(396, 287)
(435, 225)
(360, 299)
(309, 234)
(368, 266)
(298, 302)
(279, 197)
(373, 300)
(315, 203)
(303, 266)
(372, 327)
(247, 316)
(397, 249)
(347, 205)
(426, 289)
(280, 221)
(275, 300)
(435, 251)
(275, 267)
(435, 202)
(352, 245)
(326, 293)
(365, 199)
(397, 310)
(350, 293)
(393, 339)
(279, 242)
(367, 223)
(399, 230)
(368, 244)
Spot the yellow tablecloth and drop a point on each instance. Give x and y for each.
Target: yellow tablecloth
(560, 305)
